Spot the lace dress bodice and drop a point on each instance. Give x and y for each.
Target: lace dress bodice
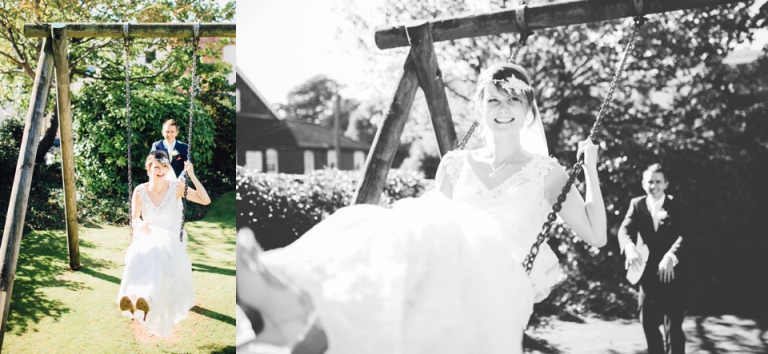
(518, 203)
(166, 215)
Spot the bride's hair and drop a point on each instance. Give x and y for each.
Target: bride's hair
(159, 156)
(500, 74)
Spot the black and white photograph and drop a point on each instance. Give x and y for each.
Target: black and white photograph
(492, 176)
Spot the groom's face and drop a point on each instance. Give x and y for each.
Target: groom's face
(170, 132)
(654, 184)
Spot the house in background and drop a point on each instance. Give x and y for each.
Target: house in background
(266, 143)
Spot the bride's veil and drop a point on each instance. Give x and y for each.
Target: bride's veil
(532, 136)
(170, 176)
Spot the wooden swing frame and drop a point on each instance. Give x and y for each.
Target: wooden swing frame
(421, 68)
(54, 55)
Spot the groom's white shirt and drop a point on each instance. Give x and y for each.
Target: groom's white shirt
(654, 207)
(169, 146)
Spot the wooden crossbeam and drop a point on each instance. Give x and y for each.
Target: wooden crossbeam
(539, 16)
(135, 30)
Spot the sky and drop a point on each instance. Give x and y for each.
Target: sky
(283, 43)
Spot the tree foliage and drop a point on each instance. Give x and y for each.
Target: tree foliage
(91, 57)
(314, 101)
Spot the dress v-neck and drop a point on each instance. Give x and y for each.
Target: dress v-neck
(160, 203)
(511, 177)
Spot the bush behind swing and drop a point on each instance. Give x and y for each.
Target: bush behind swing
(101, 153)
(44, 209)
(281, 208)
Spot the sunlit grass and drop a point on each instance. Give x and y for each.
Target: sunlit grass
(55, 310)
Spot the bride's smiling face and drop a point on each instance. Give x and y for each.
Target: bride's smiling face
(503, 112)
(157, 171)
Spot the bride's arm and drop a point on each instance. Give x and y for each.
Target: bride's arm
(586, 219)
(136, 221)
(198, 194)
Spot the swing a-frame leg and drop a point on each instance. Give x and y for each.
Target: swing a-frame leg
(17, 208)
(420, 69)
(67, 141)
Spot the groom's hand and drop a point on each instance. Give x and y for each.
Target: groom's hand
(666, 270)
(633, 258)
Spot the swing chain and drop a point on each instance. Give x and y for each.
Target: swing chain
(545, 229)
(192, 89)
(127, 47)
(638, 22)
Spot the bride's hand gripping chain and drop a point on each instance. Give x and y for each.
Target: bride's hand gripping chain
(198, 194)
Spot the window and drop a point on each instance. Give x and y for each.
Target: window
(254, 160)
(309, 161)
(237, 100)
(359, 158)
(333, 162)
(272, 166)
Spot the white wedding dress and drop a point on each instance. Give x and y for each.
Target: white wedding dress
(430, 275)
(157, 266)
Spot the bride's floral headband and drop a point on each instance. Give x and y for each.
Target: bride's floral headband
(513, 85)
(163, 161)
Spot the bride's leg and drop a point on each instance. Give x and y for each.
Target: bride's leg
(284, 310)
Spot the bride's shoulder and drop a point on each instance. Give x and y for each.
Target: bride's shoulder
(554, 173)
(177, 185)
(454, 155)
(140, 187)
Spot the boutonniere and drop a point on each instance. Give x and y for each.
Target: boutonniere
(662, 215)
(174, 153)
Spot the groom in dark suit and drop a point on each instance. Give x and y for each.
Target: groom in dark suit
(661, 222)
(177, 151)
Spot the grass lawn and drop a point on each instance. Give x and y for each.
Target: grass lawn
(55, 310)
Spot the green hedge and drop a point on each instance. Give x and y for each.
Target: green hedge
(281, 208)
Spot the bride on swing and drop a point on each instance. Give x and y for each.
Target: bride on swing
(157, 279)
(437, 274)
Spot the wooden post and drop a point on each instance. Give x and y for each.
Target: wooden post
(387, 138)
(431, 82)
(538, 16)
(336, 129)
(137, 30)
(17, 208)
(60, 62)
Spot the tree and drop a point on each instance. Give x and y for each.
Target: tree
(88, 56)
(313, 101)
